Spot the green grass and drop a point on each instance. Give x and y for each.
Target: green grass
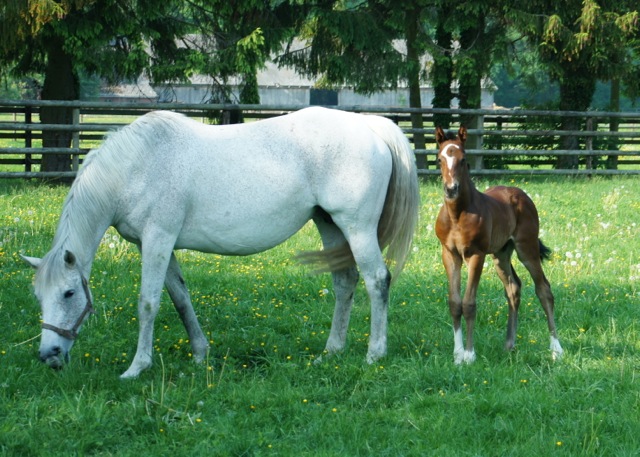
(267, 319)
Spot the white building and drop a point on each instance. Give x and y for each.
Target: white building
(280, 86)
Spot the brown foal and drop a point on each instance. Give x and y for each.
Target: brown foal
(472, 224)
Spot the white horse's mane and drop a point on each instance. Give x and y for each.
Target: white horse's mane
(93, 193)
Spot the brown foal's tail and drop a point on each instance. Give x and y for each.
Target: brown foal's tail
(545, 252)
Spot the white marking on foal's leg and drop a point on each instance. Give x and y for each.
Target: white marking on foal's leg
(460, 354)
(556, 349)
(458, 347)
(469, 356)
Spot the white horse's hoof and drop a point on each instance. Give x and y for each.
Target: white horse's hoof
(129, 374)
(321, 358)
(134, 370)
(374, 357)
(200, 356)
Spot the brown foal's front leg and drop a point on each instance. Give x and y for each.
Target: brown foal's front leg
(474, 265)
(453, 266)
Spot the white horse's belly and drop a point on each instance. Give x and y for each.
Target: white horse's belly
(231, 230)
(237, 240)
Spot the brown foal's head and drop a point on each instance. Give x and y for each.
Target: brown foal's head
(452, 158)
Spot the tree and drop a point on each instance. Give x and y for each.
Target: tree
(580, 42)
(346, 44)
(235, 38)
(464, 42)
(441, 50)
(355, 43)
(168, 40)
(116, 40)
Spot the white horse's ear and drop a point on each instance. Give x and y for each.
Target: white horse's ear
(34, 262)
(69, 259)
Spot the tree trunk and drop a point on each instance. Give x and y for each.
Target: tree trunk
(413, 77)
(250, 94)
(470, 68)
(577, 86)
(470, 72)
(442, 74)
(60, 83)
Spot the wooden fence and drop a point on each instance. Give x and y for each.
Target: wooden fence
(501, 142)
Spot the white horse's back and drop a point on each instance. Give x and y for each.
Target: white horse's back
(231, 189)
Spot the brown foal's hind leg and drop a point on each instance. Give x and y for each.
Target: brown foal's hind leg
(529, 255)
(512, 287)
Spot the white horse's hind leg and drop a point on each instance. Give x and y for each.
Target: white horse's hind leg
(378, 289)
(344, 284)
(179, 294)
(155, 262)
(377, 280)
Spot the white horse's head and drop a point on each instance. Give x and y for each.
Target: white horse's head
(65, 301)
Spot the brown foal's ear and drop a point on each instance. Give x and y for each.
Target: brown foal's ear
(462, 134)
(440, 136)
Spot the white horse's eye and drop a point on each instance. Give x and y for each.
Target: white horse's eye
(69, 293)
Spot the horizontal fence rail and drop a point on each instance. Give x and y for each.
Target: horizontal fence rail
(501, 142)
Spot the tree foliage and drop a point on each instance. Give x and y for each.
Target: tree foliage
(346, 43)
(580, 42)
(113, 39)
(339, 42)
(235, 38)
(168, 40)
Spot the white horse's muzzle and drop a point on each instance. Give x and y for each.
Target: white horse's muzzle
(55, 357)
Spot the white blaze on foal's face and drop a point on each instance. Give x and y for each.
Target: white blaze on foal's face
(449, 158)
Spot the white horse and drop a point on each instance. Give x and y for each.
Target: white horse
(167, 182)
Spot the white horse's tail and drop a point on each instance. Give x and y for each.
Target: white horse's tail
(399, 214)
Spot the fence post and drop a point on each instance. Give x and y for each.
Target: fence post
(475, 141)
(27, 138)
(613, 144)
(588, 144)
(75, 140)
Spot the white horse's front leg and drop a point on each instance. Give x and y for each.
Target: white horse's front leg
(179, 294)
(147, 311)
(154, 270)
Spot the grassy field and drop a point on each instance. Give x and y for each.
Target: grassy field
(267, 319)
